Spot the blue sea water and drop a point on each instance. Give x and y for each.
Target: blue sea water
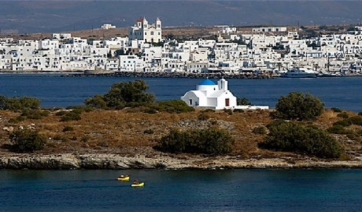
(56, 91)
(187, 190)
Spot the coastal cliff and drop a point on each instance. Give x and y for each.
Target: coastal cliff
(114, 161)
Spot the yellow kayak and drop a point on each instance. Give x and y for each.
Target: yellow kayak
(138, 184)
(123, 178)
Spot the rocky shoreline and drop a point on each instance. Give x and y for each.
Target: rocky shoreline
(114, 161)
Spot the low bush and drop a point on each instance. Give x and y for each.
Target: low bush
(356, 120)
(336, 110)
(260, 130)
(228, 111)
(72, 116)
(238, 111)
(344, 123)
(172, 106)
(343, 115)
(34, 113)
(26, 140)
(243, 101)
(203, 117)
(67, 128)
(210, 141)
(148, 131)
(293, 137)
(337, 129)
(18, 104)
(61, 113)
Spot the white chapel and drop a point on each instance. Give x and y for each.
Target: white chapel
(215, 96)
(210, 95)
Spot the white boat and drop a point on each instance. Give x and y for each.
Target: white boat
(299, 73)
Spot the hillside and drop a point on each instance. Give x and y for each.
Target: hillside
(129, 133)
(25, 17)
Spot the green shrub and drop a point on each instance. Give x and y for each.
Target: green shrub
(293, 137)
(61, 113)
(344, 123)
(26, 140)
(67, 128)
(57, 137)
(18, 104)
(71, 116)
(238, 111)
(150, 110)
(206, 141)
(85, 138)
(356, 120)
(208, 110)
(297, 106)
(148, 131)
(243, 101)
(34, 113)
(260, 130)
(343, 115)
(17, 119)
(336, 110)
(123, 94)
(203, 116)
(228, 111)
(173, 106)
(337, 129)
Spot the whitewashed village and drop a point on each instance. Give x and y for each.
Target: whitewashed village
(273, 50)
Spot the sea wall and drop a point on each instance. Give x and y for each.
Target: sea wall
(174, 75)
(113, 161)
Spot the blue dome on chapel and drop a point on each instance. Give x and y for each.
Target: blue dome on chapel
(207, 82)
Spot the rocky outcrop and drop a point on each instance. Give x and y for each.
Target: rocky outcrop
(114, 161)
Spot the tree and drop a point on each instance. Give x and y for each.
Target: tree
(243, 101)
(294, 137)
(26, 140)
(296, 106)
(18, 104)
(123, 94)
(210, 141)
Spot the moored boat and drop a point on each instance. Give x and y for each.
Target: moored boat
(299, 73)
(123, 178)
(137, 184)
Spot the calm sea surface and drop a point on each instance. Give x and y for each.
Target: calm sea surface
(56, 91)
(223, 190)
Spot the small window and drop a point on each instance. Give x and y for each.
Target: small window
(190, 101)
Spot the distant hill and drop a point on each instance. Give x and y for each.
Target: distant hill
(57, 16)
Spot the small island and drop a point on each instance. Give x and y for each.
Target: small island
(127, 129)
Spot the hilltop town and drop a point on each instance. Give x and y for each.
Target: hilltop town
(150, 48)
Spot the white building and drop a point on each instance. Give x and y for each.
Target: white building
(142, 30)
(269, 29)
(210, 95)
(108, 26)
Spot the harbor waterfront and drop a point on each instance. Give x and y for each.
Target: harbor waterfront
(183, 190)
(56, 91)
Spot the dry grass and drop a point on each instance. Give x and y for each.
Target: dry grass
(123, 131)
